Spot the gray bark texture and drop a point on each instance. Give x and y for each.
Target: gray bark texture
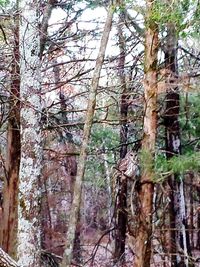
(29, 234)
(75, 208)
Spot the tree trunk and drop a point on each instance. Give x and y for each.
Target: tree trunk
(8, 222)
(8, 233)
(146, 188)
(198, 231)
(198, 221)
(29, 232)
(75, 209)
(191, 209)
(177, 209)
(44, 25)
(121, 198)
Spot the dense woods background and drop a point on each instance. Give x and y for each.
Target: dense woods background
(100, 133)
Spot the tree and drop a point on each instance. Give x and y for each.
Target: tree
(177, 206)
(146, 187)
(148, 205)
(8, 231)
(173, 147)
(121, 194)
(29, 247)
(75, 208)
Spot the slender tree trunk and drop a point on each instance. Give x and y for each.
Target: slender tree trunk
(198, 222)
(29, 232)
(146, 189)
(191, 209)
(198, 231)
(75, 209)
(44, 25)
(8, 233)
(121, 199)
(108, 183)
(177, 206)
(68, 137)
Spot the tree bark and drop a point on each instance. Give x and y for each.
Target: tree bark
(146, 188)
(44, 25)
(29, 232)
(121, 198)
(75, 209)
(191, 209)
(177, 207)
(198, 221)
(8, 222)
(198, 231)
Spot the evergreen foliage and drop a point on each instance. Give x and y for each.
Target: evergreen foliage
(76, 44)
(176, 165)
(4, 3)
(183, 14)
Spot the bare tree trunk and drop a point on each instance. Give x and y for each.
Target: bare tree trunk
(121, 198)
(44, 25)
(75, 209)
(69, 138)
(8, 222)
(29, 232)
(191, 209)
(198, 231)
(172, 132)
(177, 206)
(198, 220)
(146, 188)
(108, 183)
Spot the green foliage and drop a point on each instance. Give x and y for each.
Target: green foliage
(97, 3)
(4, 3)
(103, 140)
(161, 165)
(176, 165)
(94, 4)
(185, 15)
(164, 13)
(104, 137)
(95, 171)
(183, 163)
